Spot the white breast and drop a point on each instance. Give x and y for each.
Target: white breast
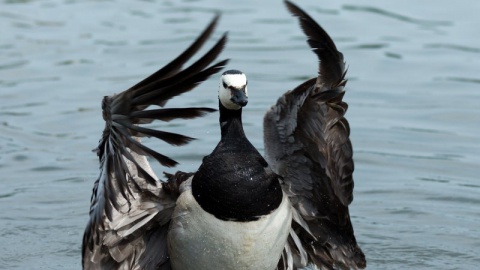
(198, 240)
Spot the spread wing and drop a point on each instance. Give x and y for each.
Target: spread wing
(307, 143)
(130, 209)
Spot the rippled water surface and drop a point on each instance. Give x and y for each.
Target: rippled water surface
(414, 112)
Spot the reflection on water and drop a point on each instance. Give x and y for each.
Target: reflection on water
(413, 96)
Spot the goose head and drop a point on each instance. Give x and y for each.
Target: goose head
(232, 91)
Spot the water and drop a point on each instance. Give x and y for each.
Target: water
(414, 112)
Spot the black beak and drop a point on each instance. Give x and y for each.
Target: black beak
(239, 97)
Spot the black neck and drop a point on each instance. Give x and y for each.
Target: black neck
(230, 121)
(234, 182)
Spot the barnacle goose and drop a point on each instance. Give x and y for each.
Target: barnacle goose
(239, 210)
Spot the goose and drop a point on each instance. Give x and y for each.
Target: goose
(287, 209)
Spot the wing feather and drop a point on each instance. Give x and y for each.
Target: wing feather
(307, 143)
(130, 209)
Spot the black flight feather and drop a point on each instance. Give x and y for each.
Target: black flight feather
(307, 143)
(126, 180)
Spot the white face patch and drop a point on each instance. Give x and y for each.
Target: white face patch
(224, 93)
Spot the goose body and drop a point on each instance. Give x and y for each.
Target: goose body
(239, 210)
(235, 214)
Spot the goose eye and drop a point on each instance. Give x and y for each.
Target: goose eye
(225, 85)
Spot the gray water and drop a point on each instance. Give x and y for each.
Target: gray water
(414, 112)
